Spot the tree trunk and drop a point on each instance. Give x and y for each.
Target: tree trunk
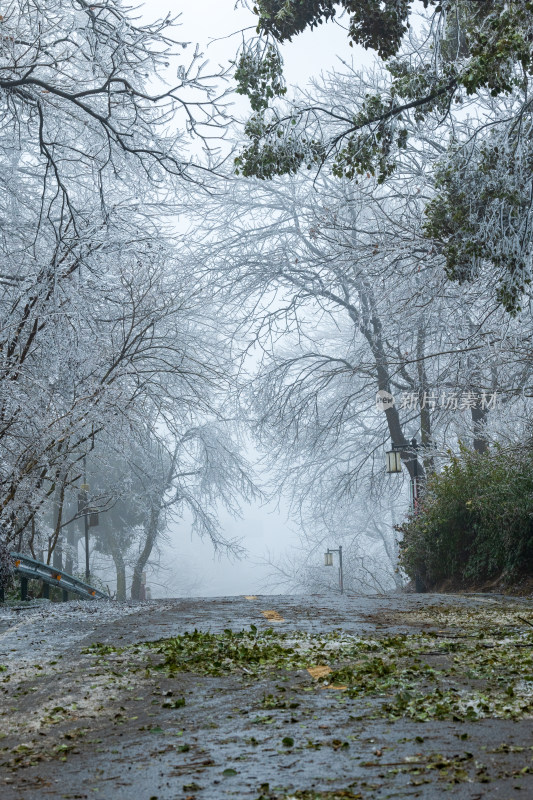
(151, 530)
(479, 412)
(117, 554)
(54, 542)
(424, 393)
(372, 330)
(479, 420)
(71, 555)
(57, 555)
(121, 576)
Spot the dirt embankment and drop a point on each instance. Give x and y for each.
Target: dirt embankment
(518, 587)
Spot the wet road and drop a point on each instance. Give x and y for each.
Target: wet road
(78, 724)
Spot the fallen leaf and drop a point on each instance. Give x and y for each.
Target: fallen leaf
(273, 615)
(287, 741)
(319, 672)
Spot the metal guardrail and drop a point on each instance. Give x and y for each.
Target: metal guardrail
(28, 568)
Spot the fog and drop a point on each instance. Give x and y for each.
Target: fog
(189, 565)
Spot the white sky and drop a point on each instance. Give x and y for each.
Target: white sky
(262, 530)
(209, 21)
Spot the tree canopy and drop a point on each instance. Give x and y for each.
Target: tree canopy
(464, 60)
(375, 24)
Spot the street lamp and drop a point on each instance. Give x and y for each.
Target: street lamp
(394, 460)
(328, 562)
(394, 465)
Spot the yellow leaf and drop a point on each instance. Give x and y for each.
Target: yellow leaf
(273, 615)
(319, 672)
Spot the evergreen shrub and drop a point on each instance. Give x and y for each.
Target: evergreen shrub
(475, 522)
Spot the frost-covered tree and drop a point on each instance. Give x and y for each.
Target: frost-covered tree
(88, 95)
(196, 474)
(364, 528)
(123, 337)
(469, 60)
(100, 323)
(346, 302)
(340, 295)
(482, 215)
(469, 47)
(150, 483)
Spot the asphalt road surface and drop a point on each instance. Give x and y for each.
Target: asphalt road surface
(310, 698)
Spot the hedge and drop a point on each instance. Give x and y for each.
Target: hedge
(475, 522)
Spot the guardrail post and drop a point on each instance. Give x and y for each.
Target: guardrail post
(46, 591)
(23, 588)
(65, 596)
(2, 596)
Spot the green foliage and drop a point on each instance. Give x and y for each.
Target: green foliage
(499, 36)
(259, 75)
(476, 520)
(482, 213)
(216, 654)
(371, 152)
(478, 47)
(35, 588)
(486, 39)
(275, 151)
(101, 649)
(390, 676)
(376, 24)
(283, 18)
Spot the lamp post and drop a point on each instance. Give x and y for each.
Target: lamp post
(83, 502)
(328, 562)
(414, 481)
(394, 465)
